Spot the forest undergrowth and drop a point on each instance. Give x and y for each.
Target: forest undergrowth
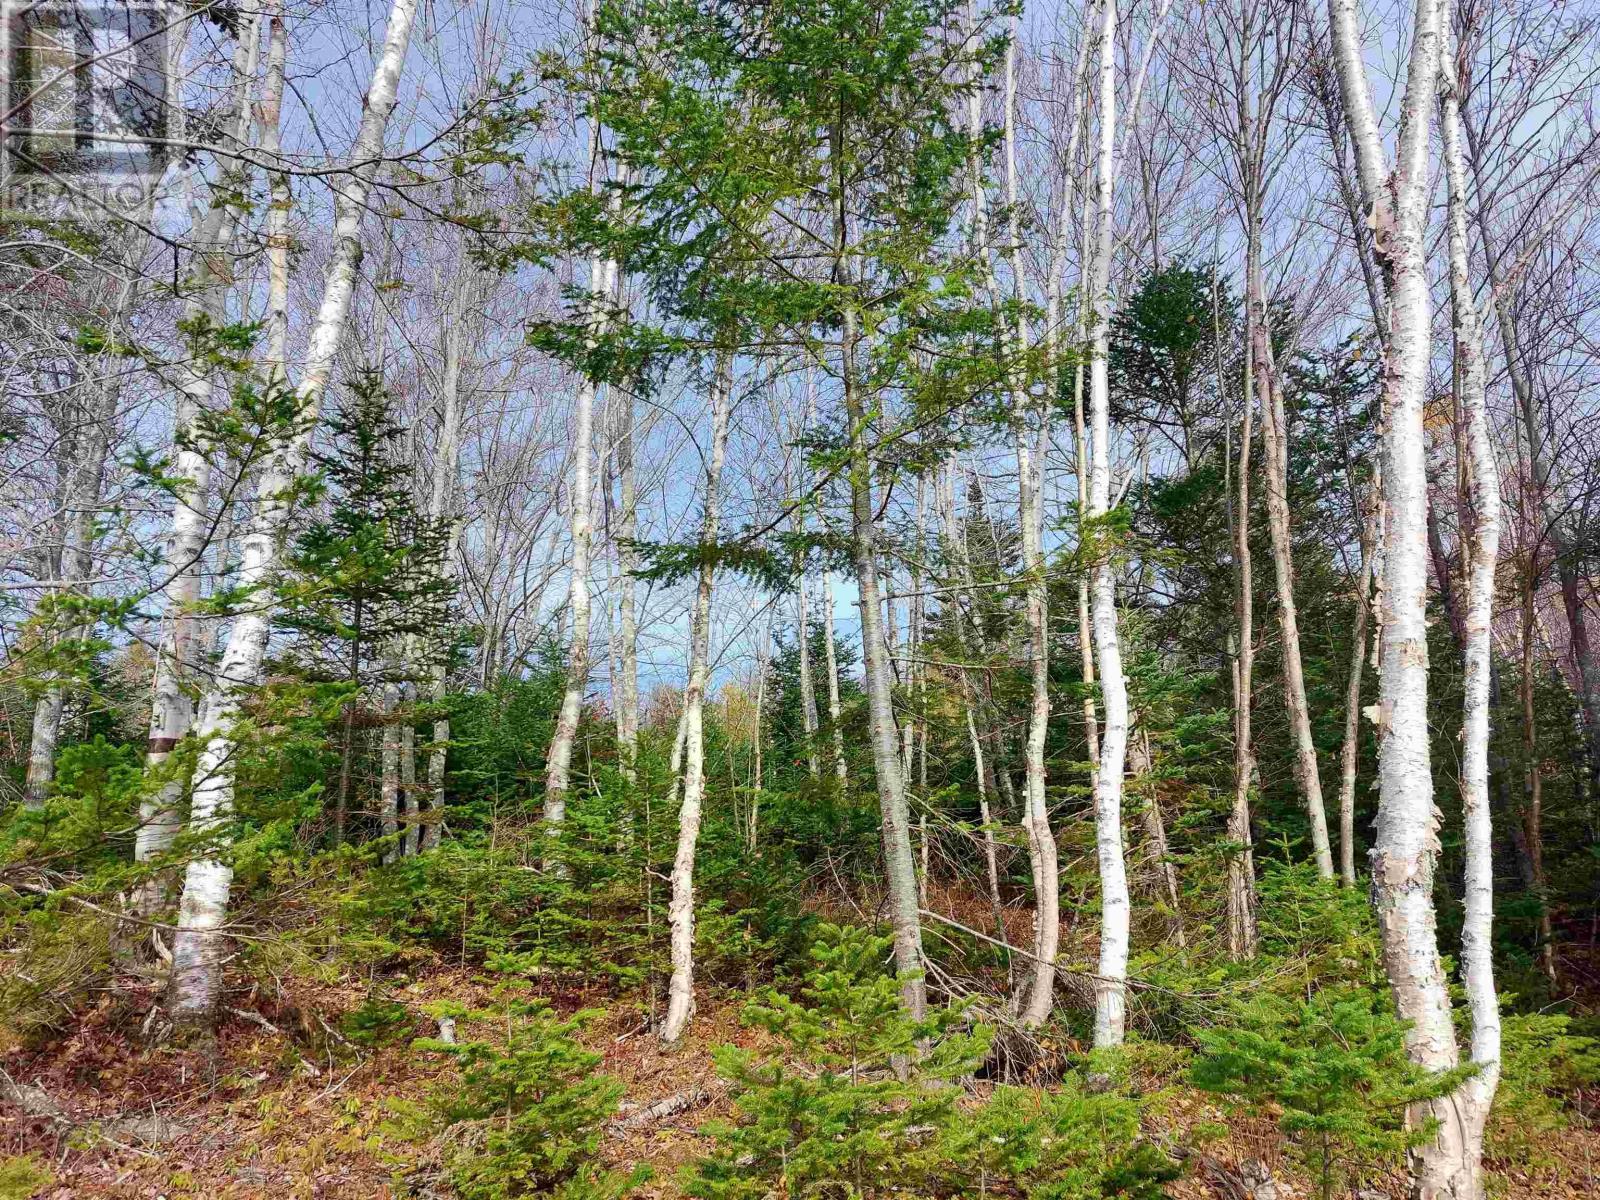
(327, 1075)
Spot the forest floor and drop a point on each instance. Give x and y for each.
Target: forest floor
(280, 1106)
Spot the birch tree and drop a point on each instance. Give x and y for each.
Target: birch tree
(1014, 338)
(1112, 972)
(594, 316)
(199, 951)
(680, 911)
(1406, 845)
(1460, 1141)
(172, 710)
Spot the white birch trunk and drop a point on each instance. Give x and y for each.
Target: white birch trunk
(412, 817)
(675, 761)
(1111, 978)
(808, 689)
(280, 198)
(172, 710)
(627, 598)
(199, 950)
(441, 512)
(1030, 516)
(1457, 1169)
(389, 783)
(1407, 843)
(680, 910)
(1241, 862)
(1035, 1005)
(558, 764)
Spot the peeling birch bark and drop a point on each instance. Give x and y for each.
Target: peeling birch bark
(1406, 845)
(172, 709)
(199, 947)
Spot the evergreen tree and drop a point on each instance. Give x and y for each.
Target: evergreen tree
(363, 587)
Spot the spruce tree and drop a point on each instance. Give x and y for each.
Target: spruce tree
(363, 579)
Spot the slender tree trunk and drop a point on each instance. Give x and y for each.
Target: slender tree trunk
(49, 705)
(1533, 419)
(442, 515)
(1406, 845)
(172, 709)
(1242, 935)
(558, 764)
(1461, 1172)
(1351, 745)
(899, 862)
(56, 564)
(680, 911)
(1034, 1006)
(898, 857)
(1275, 439)
(1111, 980)
(1583, 655)
(1030, 516)
(919, 672)
(199, 950)
(83, 464)
(389, 784)
(831, 655)
(983, 769)
(756, 782)
(408, 774)
(1533, 790)
(1140, 766)
(1091, 722)
(808, 689)
(627, 593)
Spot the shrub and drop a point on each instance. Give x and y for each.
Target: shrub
(1332, 1070)
(1540, 1060)
(61, 958)
(860, 1099)
(1064, 1144)
(376, 1022)
(529, 1112)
